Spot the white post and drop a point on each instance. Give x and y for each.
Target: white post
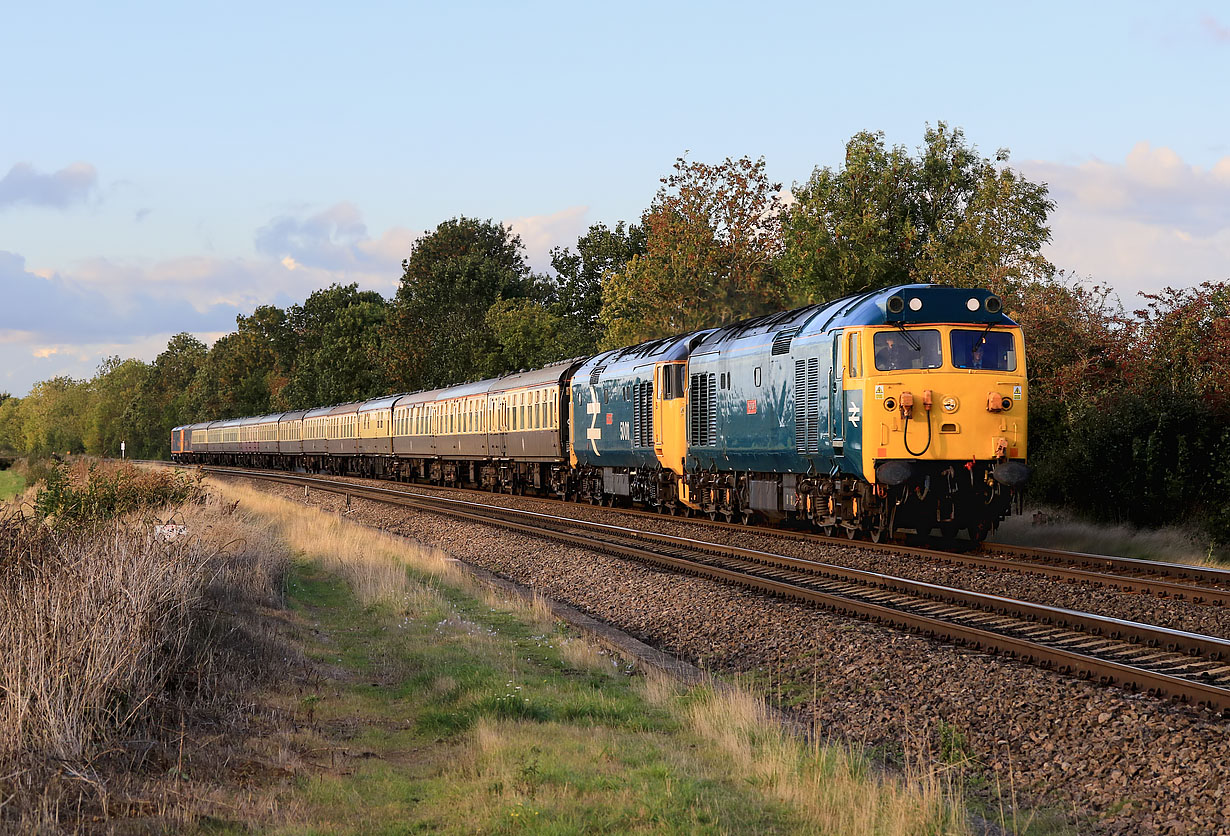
(123, 455)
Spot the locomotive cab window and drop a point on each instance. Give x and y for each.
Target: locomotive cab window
(990, 350)
(913, 349)
(672, 381)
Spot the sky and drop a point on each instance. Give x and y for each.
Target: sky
(165, 167)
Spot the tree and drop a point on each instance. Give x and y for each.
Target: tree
(165, 399)
(273, 342)
(947, 216)
(530, 335)
(233, 380)
(713, 234)
(437, 331)
(337, 358)
(601, 253)
(53, 416)
(114, 407)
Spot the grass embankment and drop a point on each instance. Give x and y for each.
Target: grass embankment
(440, 706)
(12, 484)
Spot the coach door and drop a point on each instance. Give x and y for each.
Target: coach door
(837, 402)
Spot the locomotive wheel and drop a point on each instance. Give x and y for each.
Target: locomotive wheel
(877, 534)
(828, 530)
(851, 533)
(712, 515)
(746, 517)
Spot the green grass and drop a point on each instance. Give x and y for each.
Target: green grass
(11, 485)
(430, 704)
(460, 718)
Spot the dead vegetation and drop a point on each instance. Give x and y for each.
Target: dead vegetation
(118, 645)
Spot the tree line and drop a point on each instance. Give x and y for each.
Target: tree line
(1129, 408)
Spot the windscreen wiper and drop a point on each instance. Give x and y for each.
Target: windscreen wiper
(909, 338)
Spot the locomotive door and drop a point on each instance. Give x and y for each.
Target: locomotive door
(837, 402)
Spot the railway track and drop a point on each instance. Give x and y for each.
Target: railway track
(1177, 581)
(1167, 663)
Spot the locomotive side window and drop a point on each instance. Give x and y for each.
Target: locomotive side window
(907, 350)
(991, 350)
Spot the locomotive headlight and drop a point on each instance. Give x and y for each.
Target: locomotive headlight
(950, 404)
(916, 304)
(993, 304)
(973, 304)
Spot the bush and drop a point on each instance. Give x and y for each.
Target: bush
(88, 493)
(115, 641)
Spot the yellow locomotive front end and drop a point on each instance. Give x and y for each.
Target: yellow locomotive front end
(945, 427)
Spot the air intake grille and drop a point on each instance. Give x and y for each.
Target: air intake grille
(781, 343)
(642, 414)
(596, 375)
(702, 400)
(807, 405)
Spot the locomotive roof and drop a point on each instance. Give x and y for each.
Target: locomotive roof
(619, 361)
(914, 304)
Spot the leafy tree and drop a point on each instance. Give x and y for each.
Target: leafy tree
(437, 331)
(233, 380)
(11, 438)
(530, 335)
(339, 343)
(113, 412)
(713, 234)
(601, 252)
(165, 399)
(53, 416)
(947, 216)
(272, 342)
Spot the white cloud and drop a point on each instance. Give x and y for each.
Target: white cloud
(540, 233)
(71, 184)
(1149, 221)
(66, 321)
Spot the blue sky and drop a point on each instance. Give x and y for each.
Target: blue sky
(165, 167)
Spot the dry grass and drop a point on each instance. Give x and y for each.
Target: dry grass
(373, 563)
(831, 786)
(111, 635)
(1171, 545)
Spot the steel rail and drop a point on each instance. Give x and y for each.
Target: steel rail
(1128, 575)
(1057, 648)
